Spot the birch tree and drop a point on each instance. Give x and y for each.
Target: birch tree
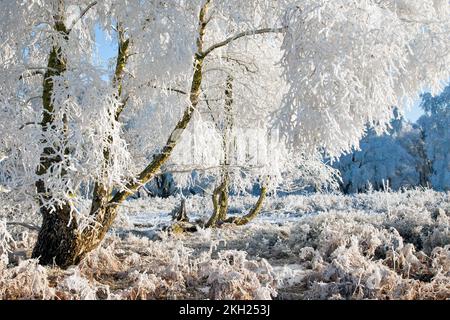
(67, 132)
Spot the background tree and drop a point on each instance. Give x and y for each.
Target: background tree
(435, 125)
(390, 161)
(347, 63)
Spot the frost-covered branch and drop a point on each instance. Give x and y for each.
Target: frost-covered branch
(82, 14)
(28, 124)
(240, 35)
(31, 74)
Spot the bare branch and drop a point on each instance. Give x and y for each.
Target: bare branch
(170, 89)
(241, 35)
(31, 98)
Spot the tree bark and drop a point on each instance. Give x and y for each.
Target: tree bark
(57, 240)
(221, 194)
(223, 200)
(226, 142)
(56, 237)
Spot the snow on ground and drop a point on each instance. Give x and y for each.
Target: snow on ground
(322, 246)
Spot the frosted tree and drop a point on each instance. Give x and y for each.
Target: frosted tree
(238, 96)
(348, 62)
(393, 160)
(232, 140)
(72, 151)
(436, 131)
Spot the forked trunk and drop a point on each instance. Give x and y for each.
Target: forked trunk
(220, 203)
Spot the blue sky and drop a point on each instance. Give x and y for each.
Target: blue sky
(414, 113)
(107, 49)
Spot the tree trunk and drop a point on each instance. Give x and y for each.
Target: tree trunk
(57, 239)
(223, 200)
(220, 204)
(214, 219)
(221, 194)
(60, 241)
(253, 212)
(226, 140)
(219, 216)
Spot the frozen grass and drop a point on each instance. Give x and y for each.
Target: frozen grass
(369, 246)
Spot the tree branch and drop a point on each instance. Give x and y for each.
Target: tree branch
(28, 124)
(154, 86)
(82, 14)
(172, 90)
(23, 224)
(240, 35)
(187, 170)
(169, 89)
(160, 158)
(31, 74)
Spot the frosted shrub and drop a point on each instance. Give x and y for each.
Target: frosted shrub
(234, 277)
(28, 280)
(143, 286)
(77, 287)
(372, 246)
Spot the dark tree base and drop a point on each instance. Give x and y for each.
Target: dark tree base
(58, 241)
